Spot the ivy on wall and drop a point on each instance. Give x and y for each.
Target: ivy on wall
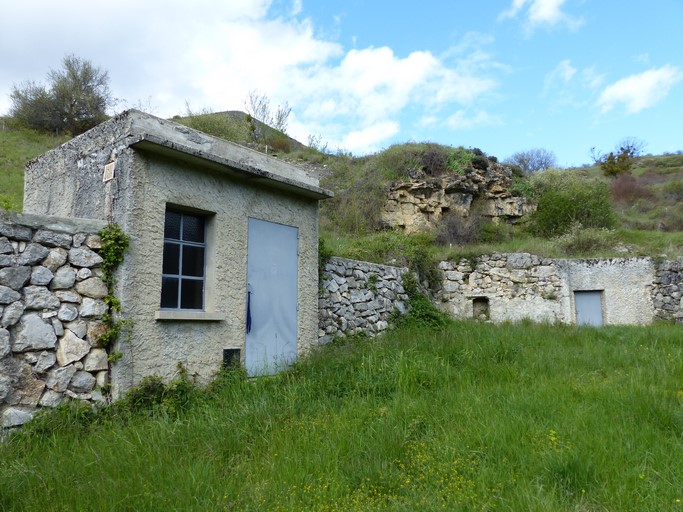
(114, 244)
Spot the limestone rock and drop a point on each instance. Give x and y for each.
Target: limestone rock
(5, 386)
(92, 308)
(67, 312)
(8, 295)
(12, 314)
(83, 273)
(29, 388)
(16, 416)
(93, 287)
(65, 277)
(33, 333)
(15, 231)
(55, 259)
(58, 326)
(58, 378)
(82, 382)
(39, 297)
(15, 277)
(41, 276)
(79, 328)
(5, 346)
(52, 238)
(71, 348)
(32, 255)
(102, 379)
(5, 246)
(51, 398)
(93, 241)
(96, 360)
(46, 360)
(84, 257)
(68, 296)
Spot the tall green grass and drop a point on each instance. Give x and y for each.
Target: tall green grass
(16, 148)
(464, 417)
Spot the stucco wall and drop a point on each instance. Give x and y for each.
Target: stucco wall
(158, 345)
(157, 162)
(50, 310)
(626, 285)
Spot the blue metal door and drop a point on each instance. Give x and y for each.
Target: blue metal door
(588, 307)
(272, 291)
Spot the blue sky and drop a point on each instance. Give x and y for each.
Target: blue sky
(500, 75)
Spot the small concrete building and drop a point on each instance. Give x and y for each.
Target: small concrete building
(223, 256)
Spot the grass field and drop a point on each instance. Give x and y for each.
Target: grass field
(16, 148)
(466, 417)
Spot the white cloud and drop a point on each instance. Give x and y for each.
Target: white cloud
(537, 13)
(462, 121)
(211, 54)
(640, 91)
(371, 138)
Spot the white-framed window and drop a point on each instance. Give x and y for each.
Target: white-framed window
(183, 280)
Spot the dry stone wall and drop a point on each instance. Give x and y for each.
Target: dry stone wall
(358, 297)
(503, 287)
(51, 304)
(667, 293)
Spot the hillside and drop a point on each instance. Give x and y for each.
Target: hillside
(460, 201)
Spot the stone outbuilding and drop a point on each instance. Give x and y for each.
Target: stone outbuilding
(223, 258)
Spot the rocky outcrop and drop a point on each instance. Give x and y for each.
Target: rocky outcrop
(420, 203)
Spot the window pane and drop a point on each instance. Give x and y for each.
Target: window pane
(191, 294)
(193, 228)
(169, 292)
(193, 261)
(171, 258)
(172, 225)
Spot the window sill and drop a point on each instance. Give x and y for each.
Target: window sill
(199, 316)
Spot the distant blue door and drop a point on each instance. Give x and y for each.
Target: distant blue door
(272, 292)
(588, 307)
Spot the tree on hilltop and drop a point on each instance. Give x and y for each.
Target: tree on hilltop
(76, 98)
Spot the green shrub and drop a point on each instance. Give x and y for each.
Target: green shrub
(580, 241)
(567, 197)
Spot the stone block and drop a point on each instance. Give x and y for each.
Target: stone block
(51, 398)
(46, 360)
(84, 257)
(11, 314)
(52, 238)
(39, 297)
(33, 333)
(15, 277)
(32, 255)
(67, 312)
(71, 348)
(96, 360)
(41, 276)
(58, 378)
(5, 345)
(55, 259)
(8, 295)
(92, 308)
(64, 279)
(82, 382)
(16, 416)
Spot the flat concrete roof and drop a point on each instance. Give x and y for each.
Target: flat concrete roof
(152, 134)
